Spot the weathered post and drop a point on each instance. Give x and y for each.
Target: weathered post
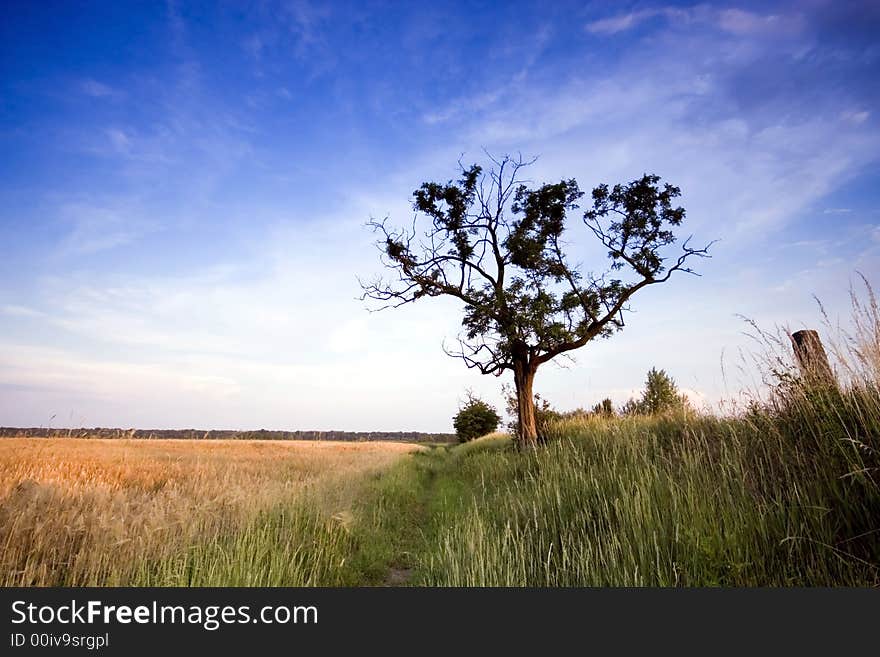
(811, 357)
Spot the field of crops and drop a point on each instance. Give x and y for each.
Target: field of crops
(116, 512)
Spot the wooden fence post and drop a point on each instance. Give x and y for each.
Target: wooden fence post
(811, 357)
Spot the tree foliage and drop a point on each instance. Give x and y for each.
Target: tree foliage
(604, 408)
(474, 419)
(498, 245)
(661, 395)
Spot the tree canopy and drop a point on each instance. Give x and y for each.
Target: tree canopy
(496, 243)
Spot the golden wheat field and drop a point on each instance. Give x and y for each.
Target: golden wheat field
(98, 512)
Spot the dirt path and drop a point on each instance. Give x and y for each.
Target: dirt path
(400, 571)
(398, 576)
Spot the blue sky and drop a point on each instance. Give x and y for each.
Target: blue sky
(183, 190)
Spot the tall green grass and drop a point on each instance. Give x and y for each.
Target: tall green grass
(783, 493)
(289, 545)
(660, 502)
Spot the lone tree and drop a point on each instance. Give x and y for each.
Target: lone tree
(659, 396)
(495, 243)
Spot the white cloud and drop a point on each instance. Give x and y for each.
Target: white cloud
(623, 22)
(98, 227)
(747, 23)
(119, 140)
(855, 117)
(97, 89)
(13, 310)
(287, 345)
(734, 21)
(464, 106)
(664, 109)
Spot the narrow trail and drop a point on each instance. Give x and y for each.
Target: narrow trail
(400, 569)
(398, 576)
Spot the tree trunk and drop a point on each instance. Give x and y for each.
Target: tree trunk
(523, 377)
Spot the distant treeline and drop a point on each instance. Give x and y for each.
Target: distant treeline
(222, 434)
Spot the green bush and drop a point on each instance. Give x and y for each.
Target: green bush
(660, 395)
(476, 418)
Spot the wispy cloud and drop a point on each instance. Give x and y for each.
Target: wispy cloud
(296, 28)
(667, 109)
(629, 20)
(735, 21)
(855, 117)
(97, 89)
(119, 140)
(306, 21)
(747, 23)
(100, 227)
(12, 310)
(295, 335)
(465, 106)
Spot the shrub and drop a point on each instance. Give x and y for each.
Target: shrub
(660, 395)
(545, 414)
(605, 408)
(476, 418)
